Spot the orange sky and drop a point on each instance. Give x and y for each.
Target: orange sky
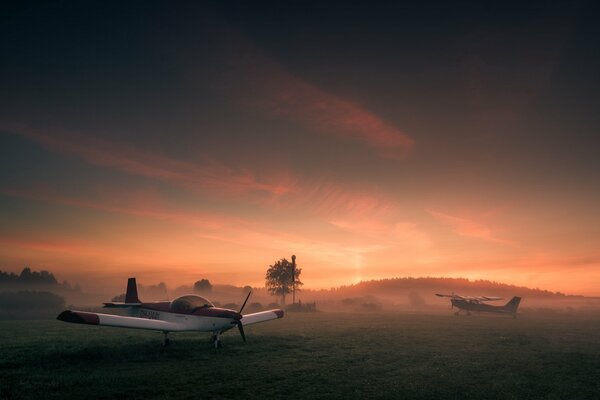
(229, 144)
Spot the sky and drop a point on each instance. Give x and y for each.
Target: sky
(174, 141)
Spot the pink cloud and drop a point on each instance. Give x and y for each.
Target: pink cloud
(260, 82)
(278, 188)
(135, 208)
(331, 200)
(206, 175)
(50, 245)
(466, 227)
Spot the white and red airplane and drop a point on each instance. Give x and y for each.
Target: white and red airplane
(186, 313)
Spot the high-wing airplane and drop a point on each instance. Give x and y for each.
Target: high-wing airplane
(186, 313)
(477, 303)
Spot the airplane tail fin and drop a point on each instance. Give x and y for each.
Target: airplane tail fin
(131, 296)
(513, 304)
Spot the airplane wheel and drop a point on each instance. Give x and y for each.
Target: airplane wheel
(456, 313)
(167, 342)
(216, 341)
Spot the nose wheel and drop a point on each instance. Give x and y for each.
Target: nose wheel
(166, 341)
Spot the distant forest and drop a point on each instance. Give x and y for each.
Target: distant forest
(27, 277)
(33, 295)
(446, 285)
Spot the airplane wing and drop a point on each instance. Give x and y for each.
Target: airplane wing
(488, 298)
(452, 296)
(81, 317)
(262, 316)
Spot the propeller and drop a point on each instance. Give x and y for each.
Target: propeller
(245, 301)
(241, 328)
(238, 320)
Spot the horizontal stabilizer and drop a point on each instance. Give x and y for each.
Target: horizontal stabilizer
(262, 316)
(121, 305)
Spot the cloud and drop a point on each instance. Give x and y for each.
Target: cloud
(258, 81)
(332, 200)
(210, 221)
(277, 188)
(466, 227)
(49, 245)
(203, 176)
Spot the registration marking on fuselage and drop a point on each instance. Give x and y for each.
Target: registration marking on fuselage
(149, 314)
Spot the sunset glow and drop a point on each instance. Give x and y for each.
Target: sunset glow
(214, 150)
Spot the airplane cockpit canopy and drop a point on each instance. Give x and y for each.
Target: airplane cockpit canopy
(189, 303)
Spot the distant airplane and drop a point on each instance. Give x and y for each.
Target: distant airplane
(186, 313)
(477, 303)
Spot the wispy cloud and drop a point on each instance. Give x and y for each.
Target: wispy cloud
(48, 245)
(205, 175)
(466, 227)
(201, 220)
(279, 188)
(332, 200)
(257, 80)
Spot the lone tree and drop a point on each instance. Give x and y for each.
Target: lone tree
(202, 285)
(279, 280)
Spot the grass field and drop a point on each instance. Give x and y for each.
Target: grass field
(320, 355)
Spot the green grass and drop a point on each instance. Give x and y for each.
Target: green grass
(321, 355)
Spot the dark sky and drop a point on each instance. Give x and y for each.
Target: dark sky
(375, 139)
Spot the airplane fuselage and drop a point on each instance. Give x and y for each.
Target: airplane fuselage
(203, 320)
(469, 305)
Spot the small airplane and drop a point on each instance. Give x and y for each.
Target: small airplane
(477, 303)
(186, 313)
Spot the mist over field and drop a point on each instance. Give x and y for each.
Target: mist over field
(395, 294)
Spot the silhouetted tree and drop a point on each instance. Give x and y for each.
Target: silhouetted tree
(154, 292)
(254, 307)
(119, 299)
(279, 278)
(25, 275)
(202, 285)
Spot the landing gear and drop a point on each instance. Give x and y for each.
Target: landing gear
(468, 313)
(457, 313)
(216, 340)
(166, 341)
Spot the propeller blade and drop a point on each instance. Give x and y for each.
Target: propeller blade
(245, 301)
(241, 328)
